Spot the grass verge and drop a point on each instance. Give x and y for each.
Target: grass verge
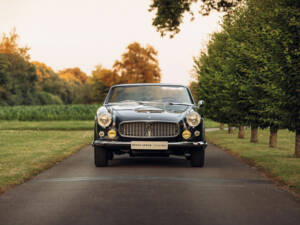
(211, 124)
(24, 154)
(277, 163)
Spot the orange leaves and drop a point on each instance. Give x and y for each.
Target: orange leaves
(138, 65)
(9, 45)
(73, 74)
(42, 70)
(105, 76)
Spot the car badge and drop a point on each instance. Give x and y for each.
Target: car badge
(148, 129)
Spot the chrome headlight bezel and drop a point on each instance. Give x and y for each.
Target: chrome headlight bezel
(104, 119)
(193, 119)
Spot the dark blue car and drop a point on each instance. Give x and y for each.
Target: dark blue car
(149, 120)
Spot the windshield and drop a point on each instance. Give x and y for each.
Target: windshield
(152, 93)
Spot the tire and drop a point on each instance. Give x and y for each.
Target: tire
(198, 158)
(110, 155)
(100, 156)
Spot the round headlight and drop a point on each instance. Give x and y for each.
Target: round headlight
(193, 119)
(104, 119)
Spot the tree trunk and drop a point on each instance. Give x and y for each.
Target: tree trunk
(241, 132)
(221, 126)
(297, 144)
(254, 131)
(230, 129)
(273, 137)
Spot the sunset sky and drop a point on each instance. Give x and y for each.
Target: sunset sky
(84, 33)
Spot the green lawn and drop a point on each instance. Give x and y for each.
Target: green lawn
(31, 148)
(211, 124)
(278, 163)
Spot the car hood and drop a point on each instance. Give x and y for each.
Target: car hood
(161, 112)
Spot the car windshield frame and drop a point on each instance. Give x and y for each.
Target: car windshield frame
(192, 102)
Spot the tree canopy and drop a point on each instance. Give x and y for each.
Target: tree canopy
(9, 45)
(250, 72)
(138, 65)
(169, 13)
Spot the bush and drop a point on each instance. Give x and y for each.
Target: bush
(46, 98)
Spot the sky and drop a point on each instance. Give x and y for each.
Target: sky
(85, 33)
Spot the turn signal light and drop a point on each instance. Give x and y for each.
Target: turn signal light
(186, 134)
(112, 133)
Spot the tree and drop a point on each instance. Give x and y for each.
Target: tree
(169, 13)
(5, 80)
(43, 71)
(73, 74)
(102, 79)
(50, 86)
(18, 80)
(9, 45)
(138, 65)
(194, 89)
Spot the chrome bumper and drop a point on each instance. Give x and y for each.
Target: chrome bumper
(126, 145)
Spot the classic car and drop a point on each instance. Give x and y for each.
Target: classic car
(149, 120)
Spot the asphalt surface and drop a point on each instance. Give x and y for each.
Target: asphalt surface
(156, 191)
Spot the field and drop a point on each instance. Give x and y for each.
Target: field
(278, 163)
(48, 112)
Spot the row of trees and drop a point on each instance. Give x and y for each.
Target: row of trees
(249, 74)
(23, 82)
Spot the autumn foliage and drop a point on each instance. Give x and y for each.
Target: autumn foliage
(138, 65)
(73, 74)
(34, 83)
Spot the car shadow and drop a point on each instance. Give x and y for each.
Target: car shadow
(149, 162)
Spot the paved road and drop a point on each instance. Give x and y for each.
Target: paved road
(156, 191)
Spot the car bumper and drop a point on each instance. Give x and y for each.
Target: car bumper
(171, 145)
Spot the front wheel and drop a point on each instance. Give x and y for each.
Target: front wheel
(100, 156)
(198, 158)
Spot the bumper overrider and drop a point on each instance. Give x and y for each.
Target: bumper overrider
(201, 145)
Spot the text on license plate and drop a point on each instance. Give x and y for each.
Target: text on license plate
(152, 145)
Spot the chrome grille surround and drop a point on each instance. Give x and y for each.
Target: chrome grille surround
(148, 129)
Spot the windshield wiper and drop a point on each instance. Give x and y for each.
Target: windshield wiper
(125, 101)
(178, 103)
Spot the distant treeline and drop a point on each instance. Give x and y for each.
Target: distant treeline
(23, 82)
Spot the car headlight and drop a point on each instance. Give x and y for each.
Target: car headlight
(193, 119)
(104, 119)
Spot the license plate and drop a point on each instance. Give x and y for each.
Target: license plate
(150, 145)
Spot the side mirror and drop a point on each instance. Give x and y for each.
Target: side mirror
(201, 102)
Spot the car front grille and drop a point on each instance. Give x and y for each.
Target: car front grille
(148, 129)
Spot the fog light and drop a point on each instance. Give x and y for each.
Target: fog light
(197, 133)
(112, 133)
(186, 134)
(101, 133)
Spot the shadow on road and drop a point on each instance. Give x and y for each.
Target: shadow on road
(149, 161)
